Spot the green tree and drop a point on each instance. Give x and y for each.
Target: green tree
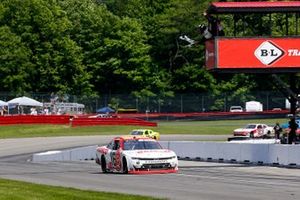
(55, 59)
(15, 65)
(192, 79)
(115, 49)
(164, 21)
(234, 89)
(117, 46)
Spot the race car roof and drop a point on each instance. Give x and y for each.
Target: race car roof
(132, 137)
(254, 7)
(141, 130)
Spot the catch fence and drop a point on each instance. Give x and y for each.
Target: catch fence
(179, 103)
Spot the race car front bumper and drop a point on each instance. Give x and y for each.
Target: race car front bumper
(154, 165)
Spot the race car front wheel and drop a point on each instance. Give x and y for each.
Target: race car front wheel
(103, 164)
(251, 135)
(125, 167)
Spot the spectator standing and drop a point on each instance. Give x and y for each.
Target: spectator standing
(214, 25)
(1, 110)
(293, 127)
(277, 130)
(46, 111)
(33, 111)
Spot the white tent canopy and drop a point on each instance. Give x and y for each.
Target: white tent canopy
(3, 103)
(25, 101)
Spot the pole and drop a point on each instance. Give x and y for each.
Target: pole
(296, 23)
(181, 104)
(234, 25)
(293, 101)
(293, 98)
(286, 24)
(271, 24)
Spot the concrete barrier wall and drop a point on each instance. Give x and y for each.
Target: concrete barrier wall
(273, 154)
(278, 154)
(77, 154)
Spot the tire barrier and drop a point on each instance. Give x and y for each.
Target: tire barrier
(260, 154)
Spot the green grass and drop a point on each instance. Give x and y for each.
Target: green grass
(17, 190)
(222, 127)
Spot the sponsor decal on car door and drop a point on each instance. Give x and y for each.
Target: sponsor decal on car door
(115, 155)
(117, 159)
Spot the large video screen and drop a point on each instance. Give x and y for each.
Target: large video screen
(253, 53)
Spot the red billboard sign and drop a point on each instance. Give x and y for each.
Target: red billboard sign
(253, 53)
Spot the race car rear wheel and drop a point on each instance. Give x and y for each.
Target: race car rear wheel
(103, 164)
(125, 167)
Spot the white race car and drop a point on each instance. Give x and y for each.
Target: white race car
(254, 131)
(136, 155)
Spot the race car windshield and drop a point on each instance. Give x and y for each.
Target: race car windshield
(141, 144)
(136, 133)
(250, 126)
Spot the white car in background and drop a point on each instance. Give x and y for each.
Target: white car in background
(254, 131)
(236, 109)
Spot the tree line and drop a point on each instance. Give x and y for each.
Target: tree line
(94, 47)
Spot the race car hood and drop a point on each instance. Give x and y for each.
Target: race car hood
(155, 153)
(243, 130)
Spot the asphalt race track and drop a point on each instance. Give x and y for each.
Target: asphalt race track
(195, 180)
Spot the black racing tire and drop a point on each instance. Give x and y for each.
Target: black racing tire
(124, 166)
(103, 165)
(251, 135)
(264, 136)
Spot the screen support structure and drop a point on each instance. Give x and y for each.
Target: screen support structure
(243, 8)
(290, 92)
(293, 99)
